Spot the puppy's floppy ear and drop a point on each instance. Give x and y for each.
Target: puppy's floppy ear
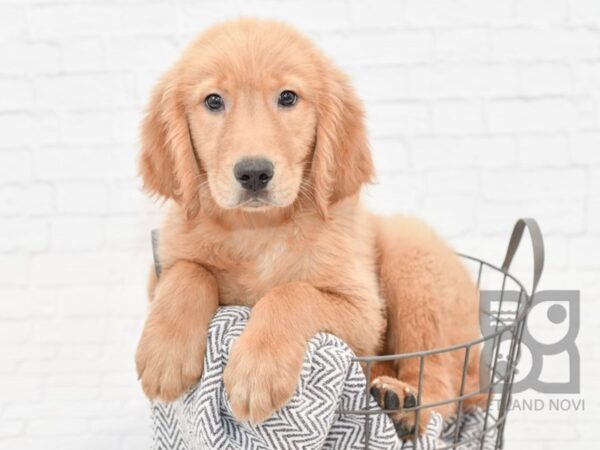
(342, 158)
(168, 164)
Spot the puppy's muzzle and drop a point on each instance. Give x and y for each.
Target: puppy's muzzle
(253, 174)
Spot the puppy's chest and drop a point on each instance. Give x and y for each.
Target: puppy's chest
(261, 262)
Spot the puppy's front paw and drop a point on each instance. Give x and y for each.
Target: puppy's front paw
(393, 394)
(262, 375)
(169, 363)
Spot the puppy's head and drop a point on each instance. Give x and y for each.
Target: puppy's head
(253, 117)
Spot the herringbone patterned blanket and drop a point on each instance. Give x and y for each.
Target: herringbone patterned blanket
(330, 380)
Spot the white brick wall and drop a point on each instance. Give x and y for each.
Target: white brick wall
(480, 111)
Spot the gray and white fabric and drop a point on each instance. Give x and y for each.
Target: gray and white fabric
(330, 381)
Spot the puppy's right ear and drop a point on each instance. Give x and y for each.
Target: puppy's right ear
(167, 163)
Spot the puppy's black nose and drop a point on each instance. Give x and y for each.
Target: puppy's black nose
(253, 174)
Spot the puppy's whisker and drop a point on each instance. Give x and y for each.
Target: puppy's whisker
(307, 193)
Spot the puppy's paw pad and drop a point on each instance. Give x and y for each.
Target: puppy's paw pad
(410, 401)
(391, 400)
(404, 430)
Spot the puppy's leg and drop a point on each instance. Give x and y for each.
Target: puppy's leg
(400, 392)
(441, 379)
(473, 383)
(432, 304)
(170, 355)
(265, 363)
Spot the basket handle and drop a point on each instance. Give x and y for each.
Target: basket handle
(537, 243)
(155, 235)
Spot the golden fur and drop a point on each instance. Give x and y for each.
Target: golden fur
(308, 258)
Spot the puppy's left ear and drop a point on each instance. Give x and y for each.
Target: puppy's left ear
(342, 159)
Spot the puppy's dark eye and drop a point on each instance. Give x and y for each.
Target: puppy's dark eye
(287, 98)
(214, 102)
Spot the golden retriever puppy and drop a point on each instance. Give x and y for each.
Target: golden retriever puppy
(260, 142)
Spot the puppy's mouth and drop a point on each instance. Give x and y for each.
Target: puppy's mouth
(256, 201)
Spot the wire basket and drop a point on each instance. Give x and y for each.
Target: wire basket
(506, 320)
